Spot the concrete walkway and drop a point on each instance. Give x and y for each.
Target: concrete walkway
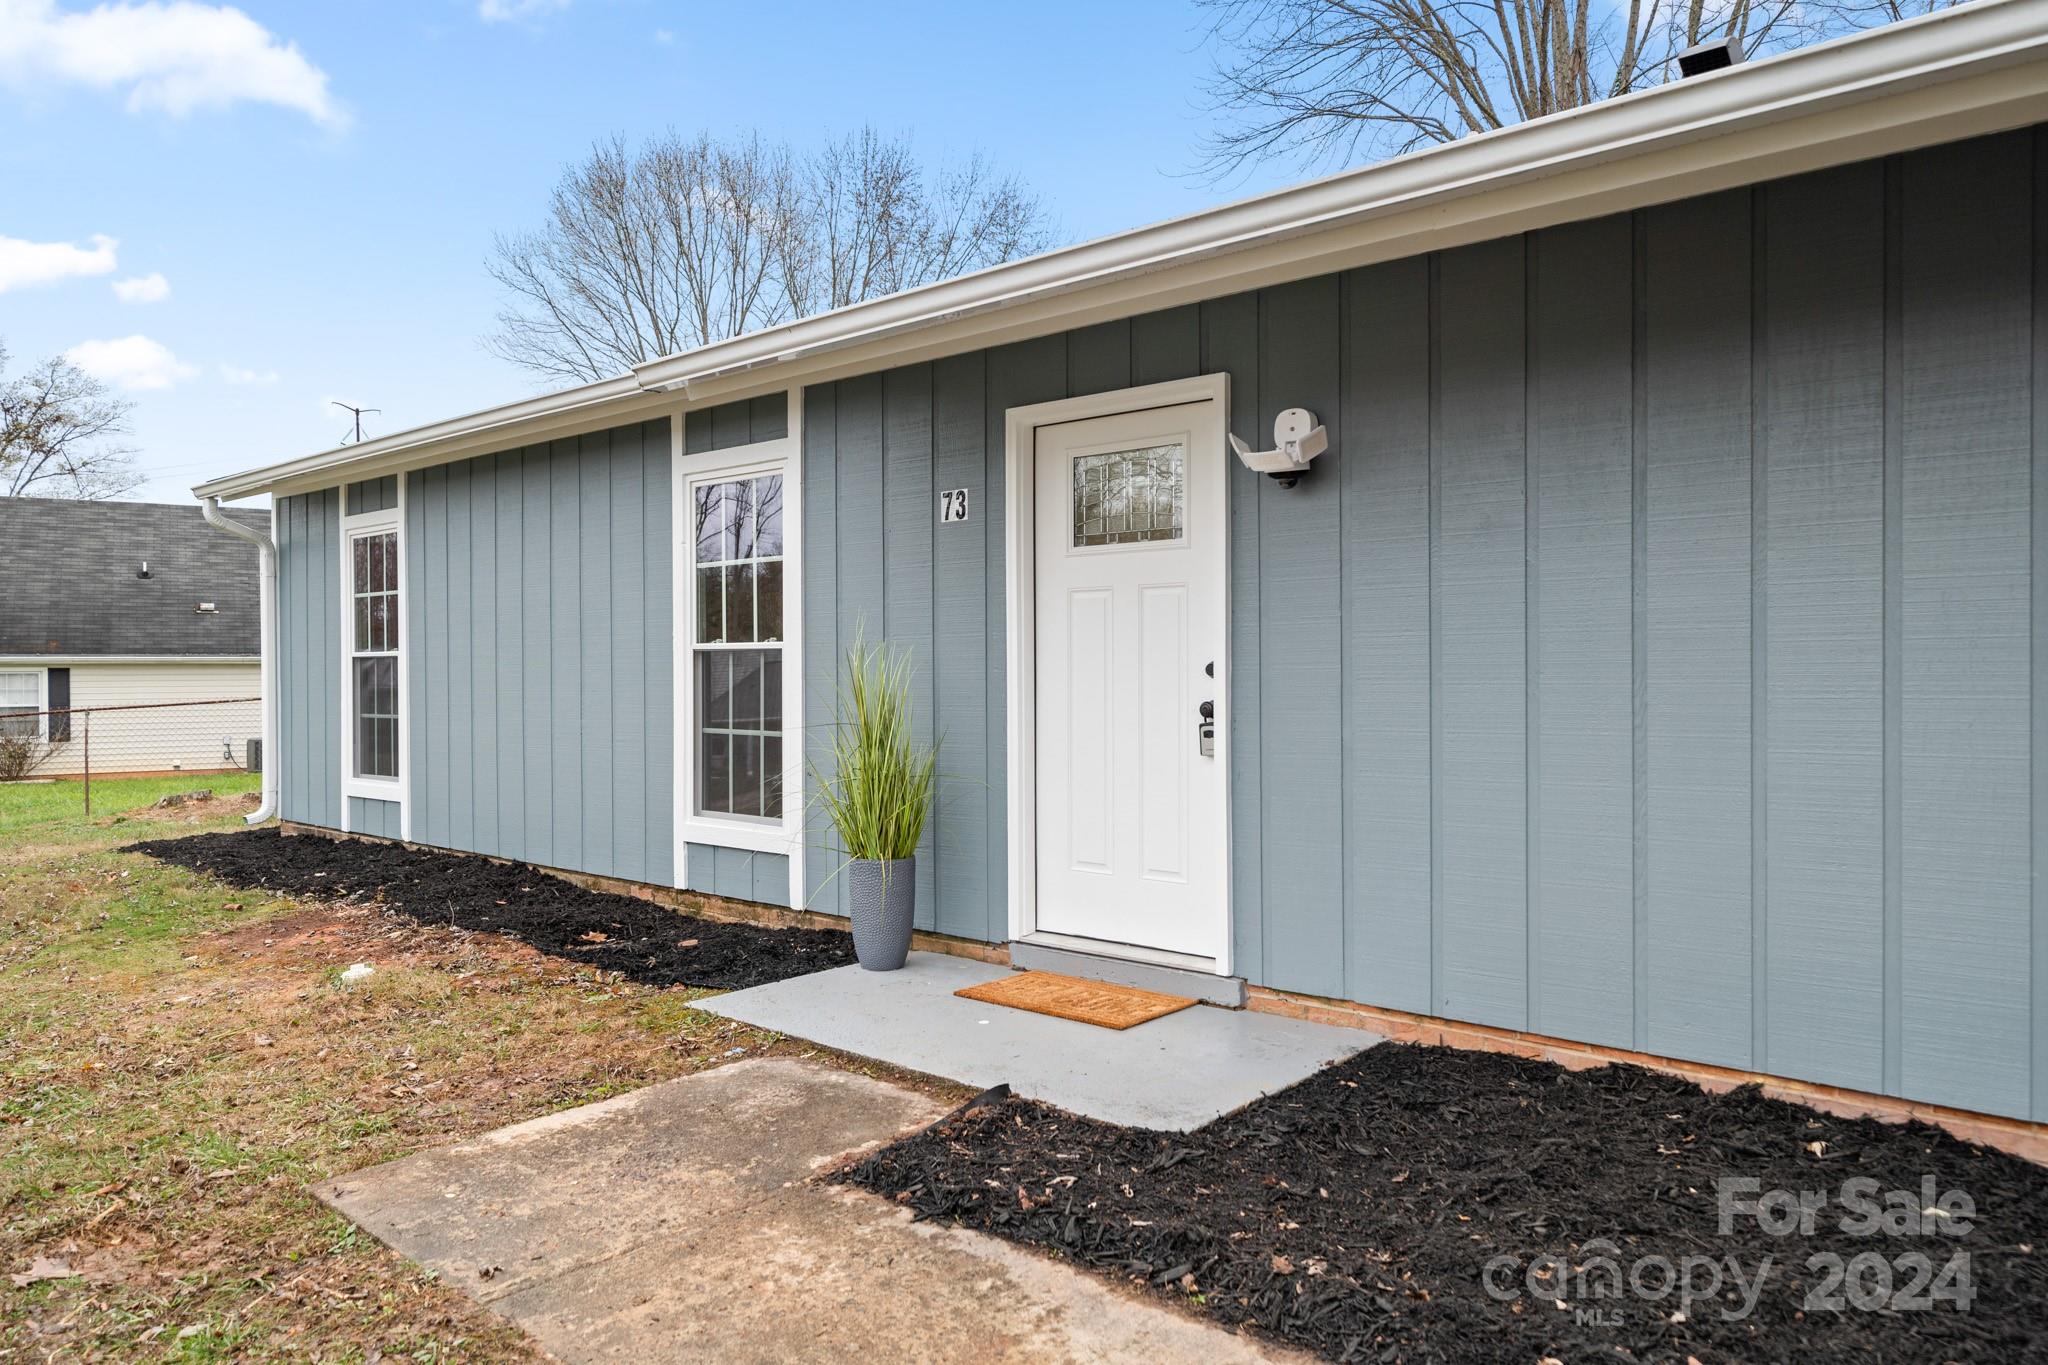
(677, 1223)
(1175, 1073)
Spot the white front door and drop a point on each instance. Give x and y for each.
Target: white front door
(1130, 586)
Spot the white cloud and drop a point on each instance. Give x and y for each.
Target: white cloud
(134, 362)
(172, 55)
(664, 36)
(504, 11)
(235, 374)
(151, 288)
(23, 263)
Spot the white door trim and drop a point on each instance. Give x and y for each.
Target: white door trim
(1020, 573)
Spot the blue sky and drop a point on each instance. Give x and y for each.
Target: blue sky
(317, 184)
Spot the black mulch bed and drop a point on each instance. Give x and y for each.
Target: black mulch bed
(639, 940)
(1355, 1214)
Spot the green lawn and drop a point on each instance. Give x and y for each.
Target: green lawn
(53, 809)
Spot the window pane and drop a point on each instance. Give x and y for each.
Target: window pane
(771, 689)
(710, 515)
(360, 553)
(376, 686)
(739, 603)
(714, 791)
(768, 587)
(714, 687)
(746, 774)
(1125, 496)
(18, 722)
(710, 605)
(19, 689)
(376, 701)
(771, 802)
(722, 510)
(391, 618)
(746, 511)
(768, 502)
(746, 689)
(390, 562)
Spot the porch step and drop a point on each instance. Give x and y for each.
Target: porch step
(1227, 991)
(1175, 1073)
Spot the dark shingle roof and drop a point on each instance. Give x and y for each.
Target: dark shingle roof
(68, 583)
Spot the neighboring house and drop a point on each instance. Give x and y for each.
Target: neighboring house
(1653, 660)
(127, 605)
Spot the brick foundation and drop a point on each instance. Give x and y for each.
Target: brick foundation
(2028, 1140)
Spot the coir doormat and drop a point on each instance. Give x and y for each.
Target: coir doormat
(1070, 997)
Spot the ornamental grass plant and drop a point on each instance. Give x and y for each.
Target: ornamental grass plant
(877, 793)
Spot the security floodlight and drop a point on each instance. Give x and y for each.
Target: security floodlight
(1716, 54)
(1297, 439)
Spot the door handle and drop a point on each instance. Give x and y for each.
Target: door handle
(1205, 728)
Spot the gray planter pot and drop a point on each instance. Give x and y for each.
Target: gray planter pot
(884, 898)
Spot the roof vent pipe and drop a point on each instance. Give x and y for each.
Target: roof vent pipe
(267, 618)
(1716, 54)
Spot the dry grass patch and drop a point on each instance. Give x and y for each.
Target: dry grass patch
(179, 1061)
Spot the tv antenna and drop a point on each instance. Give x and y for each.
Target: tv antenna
(358, 413)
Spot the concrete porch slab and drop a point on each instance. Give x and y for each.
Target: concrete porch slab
(1175, 1073)
(678, 1223)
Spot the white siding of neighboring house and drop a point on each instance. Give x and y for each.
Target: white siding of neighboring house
(206, 738)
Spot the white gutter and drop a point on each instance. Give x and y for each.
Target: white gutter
(1942, 76)
(267, 614)
(563, 403)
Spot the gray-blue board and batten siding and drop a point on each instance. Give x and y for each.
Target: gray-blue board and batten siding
(1654, 661)
(309, 673)
(539, 680)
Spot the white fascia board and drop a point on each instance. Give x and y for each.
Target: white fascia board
(1957, 73)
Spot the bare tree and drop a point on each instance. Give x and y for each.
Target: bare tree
(55, 421)
(690, 241)
(874, 222)
(644, 255)
(1326, 81)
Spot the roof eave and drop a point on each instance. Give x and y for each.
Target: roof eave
(506, 417)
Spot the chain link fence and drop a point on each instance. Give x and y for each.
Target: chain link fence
(161, 739)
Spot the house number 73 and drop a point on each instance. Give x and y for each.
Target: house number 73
(953, 505)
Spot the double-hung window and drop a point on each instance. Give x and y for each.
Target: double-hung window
(21, 703)
(737, 645)
(373, 637)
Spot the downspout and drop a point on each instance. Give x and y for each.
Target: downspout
(267, 615)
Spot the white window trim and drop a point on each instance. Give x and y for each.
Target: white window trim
(783, 837)
(390, 519)
(42, 735)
